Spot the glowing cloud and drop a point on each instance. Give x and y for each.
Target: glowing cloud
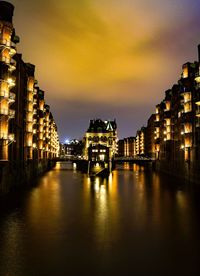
(106, 52)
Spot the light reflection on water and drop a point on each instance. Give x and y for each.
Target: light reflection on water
(135, 220)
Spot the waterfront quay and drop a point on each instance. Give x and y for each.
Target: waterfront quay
(135, 222)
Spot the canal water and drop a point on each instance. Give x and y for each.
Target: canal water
(136, 222)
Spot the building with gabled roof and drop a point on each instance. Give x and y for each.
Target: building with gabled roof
(101, 133)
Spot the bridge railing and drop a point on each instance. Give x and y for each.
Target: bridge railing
(136, 158)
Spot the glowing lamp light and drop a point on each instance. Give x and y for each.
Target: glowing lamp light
(197, 79)
(67, 141)
(10, 81)
(34, 146)
(11, 137)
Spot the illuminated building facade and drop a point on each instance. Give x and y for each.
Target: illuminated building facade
(121, 148)
(140, 142)
(127, 147)
(8, 41)
(130, 147)
(172, 136)
(28, 143)
(71, 149)
(28, 133)
(54, 145)
(102, 133)
(150, 134)
(176, 122)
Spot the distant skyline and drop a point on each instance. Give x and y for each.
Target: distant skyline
(106, 59)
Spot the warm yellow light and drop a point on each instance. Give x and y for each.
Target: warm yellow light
(197, 79)
(187, 107)
(168, 121)
(11, 137)
(185, 72)
(168, 105)
(188, 128)
(10, 82)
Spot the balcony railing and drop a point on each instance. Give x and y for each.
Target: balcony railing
(7, 43)
(6, 136)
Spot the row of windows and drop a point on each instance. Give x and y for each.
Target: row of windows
(97, 139)
(96, 150)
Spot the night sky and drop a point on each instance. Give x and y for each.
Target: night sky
(106, 58)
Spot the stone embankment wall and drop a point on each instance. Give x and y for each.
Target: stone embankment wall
(185, 171)
(20, 175)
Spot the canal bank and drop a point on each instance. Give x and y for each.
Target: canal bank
(185, 171)
(18, 175)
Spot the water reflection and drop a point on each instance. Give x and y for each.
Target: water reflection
(127, 222)
(43, 199)
(101, 195)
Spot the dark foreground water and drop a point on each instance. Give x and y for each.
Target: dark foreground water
(134, 223)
